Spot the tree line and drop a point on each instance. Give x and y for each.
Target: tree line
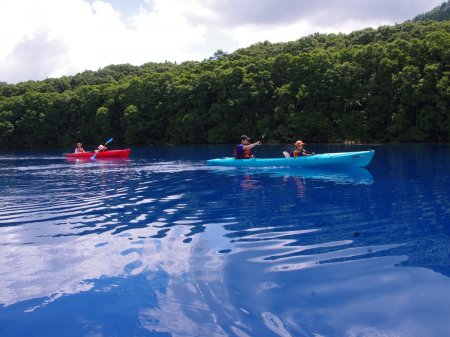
(389, 84)
(439, 13)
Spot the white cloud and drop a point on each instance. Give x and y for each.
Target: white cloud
(51, 38)
(90, 36)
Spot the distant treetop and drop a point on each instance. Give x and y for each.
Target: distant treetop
(439, 13)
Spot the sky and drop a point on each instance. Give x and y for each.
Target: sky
(42, 39)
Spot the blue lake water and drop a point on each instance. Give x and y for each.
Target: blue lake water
(163, 245)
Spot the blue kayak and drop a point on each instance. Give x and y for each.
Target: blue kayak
(340, 159)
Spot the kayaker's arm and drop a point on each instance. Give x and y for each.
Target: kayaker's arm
(251, 146)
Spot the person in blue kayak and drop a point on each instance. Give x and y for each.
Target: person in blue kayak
(79, 148)
(299, 151)
(243, 150)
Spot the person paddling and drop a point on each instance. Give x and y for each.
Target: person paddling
(299, 151)
(79, 148)
(101, 148)
(243, 150)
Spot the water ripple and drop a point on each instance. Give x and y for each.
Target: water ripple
(171, 246)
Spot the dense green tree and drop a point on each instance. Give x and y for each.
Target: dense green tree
(439, 13)
(6, 127)
(385, 84)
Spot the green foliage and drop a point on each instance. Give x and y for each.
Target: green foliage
(439, 13)
(385, 84)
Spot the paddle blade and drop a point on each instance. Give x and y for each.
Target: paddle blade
(265, 133)
(109, 140)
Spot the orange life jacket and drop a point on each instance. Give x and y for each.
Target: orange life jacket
(245, 154)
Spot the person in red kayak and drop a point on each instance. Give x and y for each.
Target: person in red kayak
(101, 148)
(243, 150)
(79, 148)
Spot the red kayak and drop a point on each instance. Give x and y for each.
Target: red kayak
(104, 154)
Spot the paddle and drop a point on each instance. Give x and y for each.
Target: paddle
(262, 137)
(108, 141)
(265, 133)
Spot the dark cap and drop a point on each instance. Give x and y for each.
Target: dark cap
(244, 137)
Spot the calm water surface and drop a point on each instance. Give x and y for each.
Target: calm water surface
(162, 245)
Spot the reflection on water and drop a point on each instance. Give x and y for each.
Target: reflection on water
(354, 175)
(161, 244)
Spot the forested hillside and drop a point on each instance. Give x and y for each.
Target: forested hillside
(374, 85)
(439, 13)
